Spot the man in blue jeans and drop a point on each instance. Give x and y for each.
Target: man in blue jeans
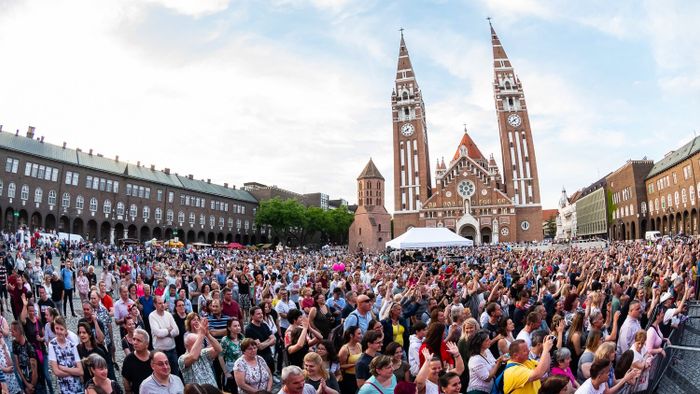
(68, 276)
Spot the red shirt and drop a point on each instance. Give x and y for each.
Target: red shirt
(107, 302)
(444, 354)
(232, 310)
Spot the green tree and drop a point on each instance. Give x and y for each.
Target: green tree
(338, 224)
(291, 219)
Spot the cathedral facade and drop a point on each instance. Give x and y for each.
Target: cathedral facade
(471, 196)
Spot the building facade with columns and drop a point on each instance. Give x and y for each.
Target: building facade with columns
(471, 196)
(56, 188)
(673, 191)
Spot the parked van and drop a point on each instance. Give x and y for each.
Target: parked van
(652, 235)
(73, 237)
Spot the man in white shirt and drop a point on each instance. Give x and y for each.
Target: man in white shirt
(284, 305)
(629, 328)
(164, 330)
(532, 323)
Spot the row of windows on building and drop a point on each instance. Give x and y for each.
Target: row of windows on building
(665, 182)
(93, 206)
(622, 195)
(676, 200)
(112, 186)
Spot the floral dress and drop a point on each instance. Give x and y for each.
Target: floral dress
(67, 356)
(256, 376)
(10, 378)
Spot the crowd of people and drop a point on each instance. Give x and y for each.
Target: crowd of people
(490, 319)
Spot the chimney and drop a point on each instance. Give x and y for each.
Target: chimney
(30, 132)
(153, 167)
(167, 171)
(64, 145)
(138, 163)
(0, 128)
(41, 140)
(233, 187)
(116, 158)
(78, 150)
(225, 185)
(190, 176)
(16, 132)
(90, 152)
(100, 155)
(208, 180)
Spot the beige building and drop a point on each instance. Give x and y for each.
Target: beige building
(591, 213)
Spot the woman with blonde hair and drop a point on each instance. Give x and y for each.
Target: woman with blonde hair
(606, 351)
(316, 374)
(583, 370)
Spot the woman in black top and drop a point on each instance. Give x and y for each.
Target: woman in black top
(321, 316)
(179, 316)
(88, 345)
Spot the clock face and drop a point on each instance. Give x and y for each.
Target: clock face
(514, 120)
(407, 129)
(466, 188)
(484, 192)
(448, 194)
(525, 225)
(505, 231)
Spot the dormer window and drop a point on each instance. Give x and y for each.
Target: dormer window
(507, 85)
(404, 96)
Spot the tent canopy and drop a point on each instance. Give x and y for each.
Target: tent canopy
(421, 237)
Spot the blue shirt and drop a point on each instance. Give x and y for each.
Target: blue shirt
(67, 276)
(148, 305)
(355, 319)
(371, 386)
(331, 303)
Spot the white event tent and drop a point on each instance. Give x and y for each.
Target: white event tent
(421, 237)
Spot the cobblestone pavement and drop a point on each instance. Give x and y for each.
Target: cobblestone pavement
(683, 374)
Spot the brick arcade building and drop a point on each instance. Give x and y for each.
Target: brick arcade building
(673, 191)
(471, 196)
(68, 190)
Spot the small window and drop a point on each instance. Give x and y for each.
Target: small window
(146, 213)
(38, 195)
(79, 202)
(93, 204)
(107, 207)
(52, 197)
(169, 215)
(158, 214)
(120, 208)
(24, 193)
(181, 217)
(11, 190)
(65, 200)
(133, 210)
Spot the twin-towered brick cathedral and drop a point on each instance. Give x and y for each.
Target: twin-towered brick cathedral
(471, 196)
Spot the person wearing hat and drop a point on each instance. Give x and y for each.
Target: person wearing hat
(361, 315)
(670, 316)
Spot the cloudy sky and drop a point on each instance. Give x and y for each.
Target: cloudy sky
(296, 93)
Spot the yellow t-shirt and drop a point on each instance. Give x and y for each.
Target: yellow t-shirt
(515, 379)
(397, 331)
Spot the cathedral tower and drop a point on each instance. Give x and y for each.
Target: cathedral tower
(412, 183)
(520, 178)
(371, 228)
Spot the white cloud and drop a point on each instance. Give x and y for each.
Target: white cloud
(194, 8)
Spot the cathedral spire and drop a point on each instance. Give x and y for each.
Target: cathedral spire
(404, 68)
(500, 58)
